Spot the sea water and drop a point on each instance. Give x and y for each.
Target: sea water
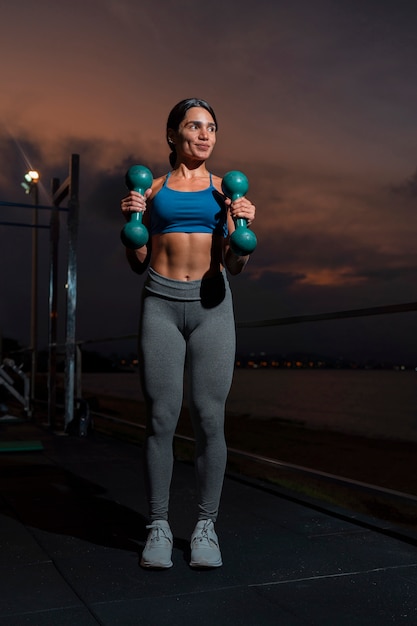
(374, 403)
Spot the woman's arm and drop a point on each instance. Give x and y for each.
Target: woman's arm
(139, 259)
(233, 263)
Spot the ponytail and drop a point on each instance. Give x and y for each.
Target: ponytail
(173, 156)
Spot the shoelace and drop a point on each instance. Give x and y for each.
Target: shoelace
(157, 532)
(203, 535)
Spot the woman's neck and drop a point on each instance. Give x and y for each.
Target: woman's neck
(189, 171)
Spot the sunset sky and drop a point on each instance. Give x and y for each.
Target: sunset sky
(316, 102)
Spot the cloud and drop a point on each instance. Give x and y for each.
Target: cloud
(406, 189)
(315, 105)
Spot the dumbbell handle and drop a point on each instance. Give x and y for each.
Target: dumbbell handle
(135, 234)
(243, 240)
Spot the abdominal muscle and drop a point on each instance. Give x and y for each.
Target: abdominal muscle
(187, 256)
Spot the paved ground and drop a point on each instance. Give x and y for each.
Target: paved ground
(72, 524)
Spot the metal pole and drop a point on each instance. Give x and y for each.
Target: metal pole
(70, 344)
(34, 305)
(53, 306)
(79, 371)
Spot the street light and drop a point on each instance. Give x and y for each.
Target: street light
(30, 182)
(30, 185)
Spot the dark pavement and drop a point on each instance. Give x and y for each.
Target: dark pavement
(72, 523)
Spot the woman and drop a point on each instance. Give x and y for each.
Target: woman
(187, 323)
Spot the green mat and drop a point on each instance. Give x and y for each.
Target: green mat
(20, 446)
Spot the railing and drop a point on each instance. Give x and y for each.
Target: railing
(391, 502)
(373, 491)
(337, 315)
(282, 321)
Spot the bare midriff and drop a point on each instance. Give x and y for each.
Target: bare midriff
(186, 256)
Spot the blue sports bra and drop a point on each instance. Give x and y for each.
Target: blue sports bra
(188, 211)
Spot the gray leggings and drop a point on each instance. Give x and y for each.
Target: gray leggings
(186, 326)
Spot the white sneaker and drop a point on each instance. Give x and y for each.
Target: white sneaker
(158, 548)
(205, 551)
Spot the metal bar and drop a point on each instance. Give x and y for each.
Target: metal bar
(376, 310)
(30, 206)
(34, 300)
(281, 321)
(61, 191)
(78, 372)
(22, 225)
(333, 477)
(104, 339)
(73, 206)
(10, 388)
(280, 464)
(8, 381)
(53, 308)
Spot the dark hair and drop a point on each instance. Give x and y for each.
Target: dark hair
(177, 115)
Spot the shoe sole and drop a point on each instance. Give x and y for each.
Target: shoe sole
(154, 565)
(205, 565)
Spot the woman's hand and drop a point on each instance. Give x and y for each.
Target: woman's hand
(241, 208)
(134, 202)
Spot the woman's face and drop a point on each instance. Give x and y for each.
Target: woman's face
(196, 135)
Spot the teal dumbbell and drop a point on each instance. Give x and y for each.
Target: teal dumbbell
(243, 240)
(135, 234)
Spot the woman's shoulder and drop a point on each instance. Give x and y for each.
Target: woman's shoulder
(160, 180)
(217, 182)
(158, 184)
